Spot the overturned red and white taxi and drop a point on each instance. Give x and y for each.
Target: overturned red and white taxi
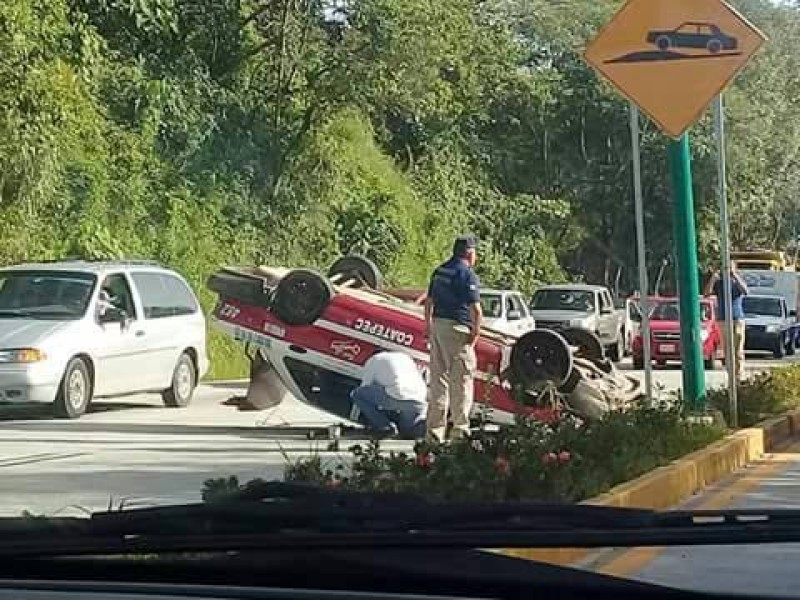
(313, 333)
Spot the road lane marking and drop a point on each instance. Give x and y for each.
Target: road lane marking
(634, 560)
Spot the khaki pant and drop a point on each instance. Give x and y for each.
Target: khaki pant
(452, 367)
(738, 345)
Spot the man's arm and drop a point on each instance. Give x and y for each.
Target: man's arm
(477, 316)
(710, 284)
(738, 279)
(428, 316)
(476, 312)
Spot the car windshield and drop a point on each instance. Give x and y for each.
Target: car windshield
(492, 305)
(45, 294)
(577, 300)
(755, 306)
(670, 311)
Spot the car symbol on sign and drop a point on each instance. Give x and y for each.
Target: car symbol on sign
(693, 35)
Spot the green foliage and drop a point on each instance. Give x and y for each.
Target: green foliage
(225, 131)
(760, 397)
(564, 461)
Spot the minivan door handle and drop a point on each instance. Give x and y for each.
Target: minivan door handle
(140, 333)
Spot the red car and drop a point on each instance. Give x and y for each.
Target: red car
(313, 334)
(665, 333)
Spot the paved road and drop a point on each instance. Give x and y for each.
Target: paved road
(141, 452)
(769, 569)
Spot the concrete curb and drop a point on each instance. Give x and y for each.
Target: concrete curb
(673, 484)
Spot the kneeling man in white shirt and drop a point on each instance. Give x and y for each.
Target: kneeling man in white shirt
(392, 395)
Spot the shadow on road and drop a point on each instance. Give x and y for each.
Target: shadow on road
(38, 412)
(169, 429)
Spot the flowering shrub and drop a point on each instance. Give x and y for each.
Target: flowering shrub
(563, 461)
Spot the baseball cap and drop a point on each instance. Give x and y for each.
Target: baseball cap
(463, 244)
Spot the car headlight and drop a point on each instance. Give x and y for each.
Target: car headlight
(772, 329)
(704, 334)
(21, 356)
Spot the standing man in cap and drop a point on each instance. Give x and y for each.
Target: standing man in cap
(453, 323)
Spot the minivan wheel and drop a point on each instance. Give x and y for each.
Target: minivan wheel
(184, 381)
(75, 391)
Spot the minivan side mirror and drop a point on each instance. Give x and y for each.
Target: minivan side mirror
(514, 315)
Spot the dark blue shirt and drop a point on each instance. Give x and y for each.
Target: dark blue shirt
(737, 299)
(454, 287)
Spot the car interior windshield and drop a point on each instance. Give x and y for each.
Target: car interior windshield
(563, 300)
(755, 306)
(45, 294)
(670, 311)
(492, 306)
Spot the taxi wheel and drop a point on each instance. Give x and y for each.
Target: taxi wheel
(75, 391)
(358, 268)
(541, 356)
(588, 344)
(301, 297)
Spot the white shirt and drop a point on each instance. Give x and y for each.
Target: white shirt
(397, 373)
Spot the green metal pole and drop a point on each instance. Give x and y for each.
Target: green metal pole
(688, 288)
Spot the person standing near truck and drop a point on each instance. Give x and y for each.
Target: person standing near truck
(739, 290)
(453, 323)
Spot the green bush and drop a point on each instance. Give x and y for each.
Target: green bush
(766, 395)
(564, 461)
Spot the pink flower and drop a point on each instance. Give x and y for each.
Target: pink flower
(502, 465)
(549, 458)
(564, 456)
(424, 460)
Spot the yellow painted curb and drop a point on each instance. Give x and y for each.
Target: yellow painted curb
(670, 485)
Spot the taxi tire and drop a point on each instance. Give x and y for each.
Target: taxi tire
(589, 345)
(360, 268)
(77, 371)
(540, 356)
(177, 395)
(301, 297)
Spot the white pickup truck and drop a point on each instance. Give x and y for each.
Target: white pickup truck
(588, 307)
(505, 311)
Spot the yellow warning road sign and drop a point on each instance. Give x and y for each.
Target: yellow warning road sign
(672, 57)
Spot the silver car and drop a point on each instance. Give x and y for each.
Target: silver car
(74, 331)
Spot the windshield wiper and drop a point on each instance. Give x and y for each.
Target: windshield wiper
(281, 515)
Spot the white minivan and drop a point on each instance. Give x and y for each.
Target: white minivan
(74, 331)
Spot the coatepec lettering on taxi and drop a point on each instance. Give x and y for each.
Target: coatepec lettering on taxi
(383, 331)
(245, 335)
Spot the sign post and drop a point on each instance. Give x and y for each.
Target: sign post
(725, 251)
(688, 286)
(644, 284)
(671, 58)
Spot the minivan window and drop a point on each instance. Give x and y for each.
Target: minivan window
(43, 294)
(116, 293)
(164, 295)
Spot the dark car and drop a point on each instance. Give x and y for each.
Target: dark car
(693, 35)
